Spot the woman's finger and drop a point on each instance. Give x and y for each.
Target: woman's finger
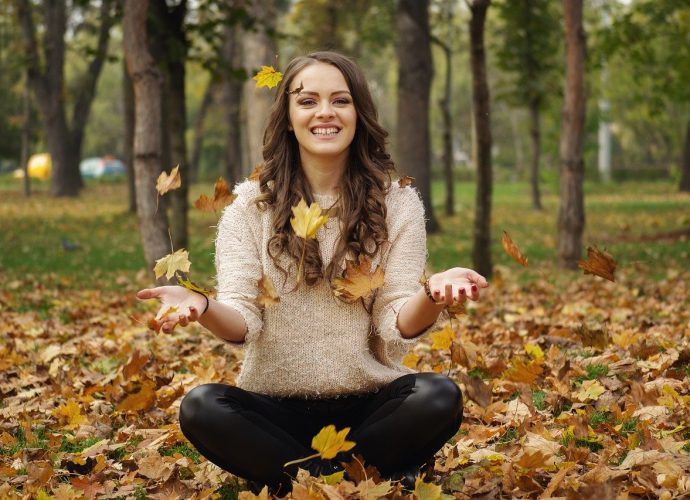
(193, 313)
(448, 296)
(477, 278)
(183, 320)
(148, 293)
(462, 294)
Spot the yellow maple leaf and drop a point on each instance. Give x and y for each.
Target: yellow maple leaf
(190, 285)
(142, 400)
(369, 490)
(442, 339)
(512, 249)
(329, 442)
(426, 491)
(267, 293)
(171, 263)
(222, 197)
(267, 77)
(599, 263)
(168, 182)
(358, 280)
(307, 220)
(535, 352)
(589, 390)
(70, 413)
(411, 360)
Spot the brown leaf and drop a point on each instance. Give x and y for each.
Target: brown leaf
(89, 485)
(142, 400)
(222, 197)
(405, 181)
(256, 173)
(477, 390)
(39, 472)
(598, 263)
(168, 182)
(512, 249)
(358, 280)
(135, 363)
(267, 293)
(358, 470)
(523, 371)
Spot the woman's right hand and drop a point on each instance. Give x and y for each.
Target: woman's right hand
(189, 306)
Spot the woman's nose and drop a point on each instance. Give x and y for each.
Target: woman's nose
(325, 109)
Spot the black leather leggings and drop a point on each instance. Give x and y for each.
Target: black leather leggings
(252, 435)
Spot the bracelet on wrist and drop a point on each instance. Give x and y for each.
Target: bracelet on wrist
(207, 301)
(427, 290)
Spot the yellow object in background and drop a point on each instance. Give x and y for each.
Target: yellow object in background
(40, 166)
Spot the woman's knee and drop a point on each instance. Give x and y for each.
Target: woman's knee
(440, 393)
(195, 405)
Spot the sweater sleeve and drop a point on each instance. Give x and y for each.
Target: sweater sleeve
(403, 269)
(238, 266)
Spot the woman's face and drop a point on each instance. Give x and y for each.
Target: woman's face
(322, 115)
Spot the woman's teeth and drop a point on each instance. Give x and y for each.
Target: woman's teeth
(325, 131)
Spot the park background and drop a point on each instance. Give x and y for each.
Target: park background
(575, 386)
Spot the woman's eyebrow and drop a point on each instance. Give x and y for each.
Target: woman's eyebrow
(311, 92)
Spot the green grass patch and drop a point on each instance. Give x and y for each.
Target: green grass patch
(629, 426)
(478, 372)
(539, 398)
(594, 371)
(508, 437)
(183, 449)
(72, 446)
(597, 418)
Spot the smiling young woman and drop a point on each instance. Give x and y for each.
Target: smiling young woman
(311, 359)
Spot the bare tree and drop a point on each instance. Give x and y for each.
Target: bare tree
(47, 83)
(415, 72)
(481, 250)
(571, 215)
(231, 60)
(147, 137)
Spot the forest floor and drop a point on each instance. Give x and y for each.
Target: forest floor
(574, 386)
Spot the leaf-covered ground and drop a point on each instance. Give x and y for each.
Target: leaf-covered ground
(574, 386)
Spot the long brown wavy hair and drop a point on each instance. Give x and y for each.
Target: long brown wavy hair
(367, 177)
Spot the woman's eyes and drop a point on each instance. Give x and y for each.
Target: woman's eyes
(311, 102)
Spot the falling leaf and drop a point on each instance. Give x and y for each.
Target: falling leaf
(358, 280)
(426, 491)
(267, 77)
(171, 263)
(267, 293)
(328, 442)
(256, 173)
(190, 285)
(590, 390)
(442, 339)
(512, 249)
(222, 197)
(168, 182)
(598, 263)
(405, 181)
(306, 221)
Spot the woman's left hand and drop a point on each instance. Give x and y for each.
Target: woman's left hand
(456, 285)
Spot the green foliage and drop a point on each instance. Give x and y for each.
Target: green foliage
(73, 446)
(183, 449)
(478, 372)
(597, 418)
(594, 371)
(539, 398)
(629, 426)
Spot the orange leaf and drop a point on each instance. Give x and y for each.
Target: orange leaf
(135, 363)
(405, 181)
(168, 182)
(89, 485)
(521, 371)
(140, 401)
(222, 197)
(258, 168)
(512, 249)
(267, 293)
(70, 413)
(358, 280)
(598, 263)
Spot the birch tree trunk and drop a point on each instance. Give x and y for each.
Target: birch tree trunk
(147, 136)
(571, 216)
(481, 250)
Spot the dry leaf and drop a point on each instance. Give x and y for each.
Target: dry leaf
(405, 181)
(306, 221)
(512, 249)
(426, 491)
(442, 339)
(70, 413)
(222, 197)
(142, 400)
(267, 77)
(136, 362)
(358, 281)
(190, 285)
(171, 263)
(369, 490)
(267, 293)
(256, 173)
(169, 182)
(329, 442)
(589, 390)
(598, 263)
(410, 360)
(523, 371)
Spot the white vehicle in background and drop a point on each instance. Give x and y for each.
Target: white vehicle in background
(108, 166)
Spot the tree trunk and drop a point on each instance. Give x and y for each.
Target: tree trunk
(415, 72)
(147, 137)
(198, 140)
(481, 251)
(571, 216)
(446, 113)
(232, 99)
(535, 134)
(47, 84)
(128, 97)
(26, 137)
(259, 49)
(685, 163)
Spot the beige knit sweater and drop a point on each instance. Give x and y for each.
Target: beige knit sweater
(311, 344)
